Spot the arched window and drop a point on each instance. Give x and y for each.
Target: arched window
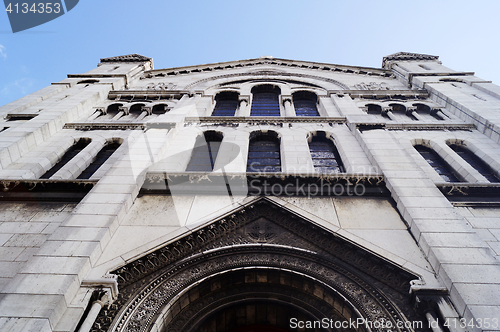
(374, 109)
(68, 155)
(136, 111)
(205, 152)
(264, 153)
(159, 109)
(226, 104)
(438, 163)
(324, 154)
(476, 162)
(113, 110)
(265, 100)
(305, 103)
(400, 110)
(425, 109)
(99, 160)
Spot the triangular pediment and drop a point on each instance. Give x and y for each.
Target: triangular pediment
(264, 222)
(268, 62)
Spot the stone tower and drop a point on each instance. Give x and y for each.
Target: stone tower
(255, 195)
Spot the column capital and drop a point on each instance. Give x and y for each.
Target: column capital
(286, 98)
(245, 98)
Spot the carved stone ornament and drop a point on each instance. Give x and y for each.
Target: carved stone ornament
(127, 58)
(160, 86)
(405, 56)
(156, 290)
(267, 75)
(371, 86)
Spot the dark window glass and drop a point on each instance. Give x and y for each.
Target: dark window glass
(205, 153)
(437, 163)
(226, 104)
(325, 157)
(70, 154)
(374, 109)
(100, 159)
(305, 107)
(265, 101)
(304, 103)
(225, 108)
(264, 154)
(159, 109)
(476, 162)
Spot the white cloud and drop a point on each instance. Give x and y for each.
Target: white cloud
(2, 52)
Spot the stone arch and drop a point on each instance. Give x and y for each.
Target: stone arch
(268, 75)
(158, 292)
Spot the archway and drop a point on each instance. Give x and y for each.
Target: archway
(266, 258)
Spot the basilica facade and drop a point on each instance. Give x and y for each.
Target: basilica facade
(254, 195)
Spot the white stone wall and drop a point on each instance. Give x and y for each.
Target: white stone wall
(48, 253)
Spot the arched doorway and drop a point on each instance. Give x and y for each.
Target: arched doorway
(261, 266)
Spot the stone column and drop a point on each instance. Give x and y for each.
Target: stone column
(287, 104)
(388, 113)
(91, 317)
(105, 295)
(433, 322)
(412, 112)
(243, 109)
(98, 112)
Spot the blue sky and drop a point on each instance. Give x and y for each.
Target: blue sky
(176, 33)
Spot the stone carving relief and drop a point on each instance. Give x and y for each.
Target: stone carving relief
(371, 86)
(341, 86)
(161, 86)
(376, 288)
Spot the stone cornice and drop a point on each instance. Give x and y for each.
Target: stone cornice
(415, 126)
(250, 183)
(264, 119)
(405, 56)
(177, 94)
(127, 58)
(151, 94)
(267, 61)
(381, 94)
(118, 125)
(45, 190)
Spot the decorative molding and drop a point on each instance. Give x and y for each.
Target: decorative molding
(429, 126)
(382, 94)
(264, 120)
(119, 126)
(262, 234)
(256, 184)
(45, 190)
(405, 56)
(269, 75)
(274, 62)
(413, 126)
(147, 94)
(127, 58)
